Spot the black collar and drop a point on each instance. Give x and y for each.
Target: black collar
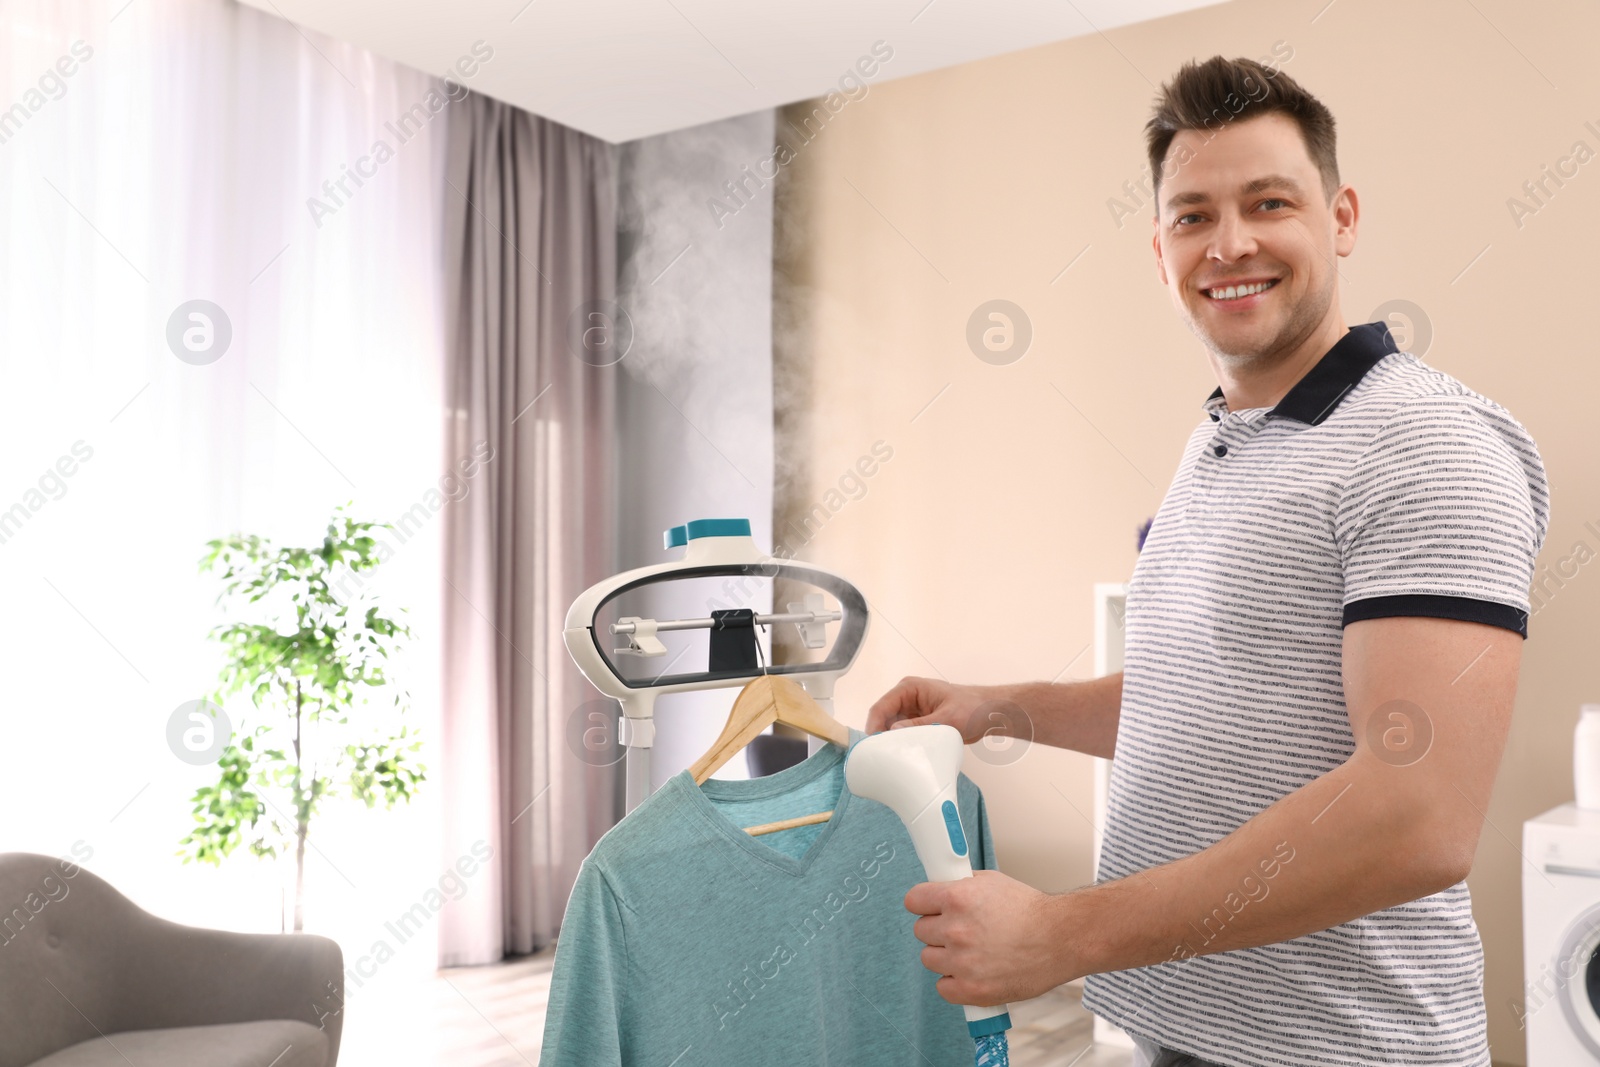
(1319, 391)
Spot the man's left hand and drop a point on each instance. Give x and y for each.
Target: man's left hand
(994, 939)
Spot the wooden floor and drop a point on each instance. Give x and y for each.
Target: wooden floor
(494, 1017)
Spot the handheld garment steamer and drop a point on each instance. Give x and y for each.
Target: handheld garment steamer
(913, 770)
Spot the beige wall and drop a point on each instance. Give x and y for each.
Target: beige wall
(1020, 486)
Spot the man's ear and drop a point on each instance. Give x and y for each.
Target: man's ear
(1155, 243)
(1346, 210)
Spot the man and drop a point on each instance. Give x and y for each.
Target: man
(1323, 633)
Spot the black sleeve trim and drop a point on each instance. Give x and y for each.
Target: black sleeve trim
(1468, 609)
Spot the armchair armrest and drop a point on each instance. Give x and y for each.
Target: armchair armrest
(174, 975)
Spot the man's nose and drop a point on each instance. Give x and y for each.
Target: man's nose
(1231, 239)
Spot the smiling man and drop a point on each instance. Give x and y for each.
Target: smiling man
(1323, 634)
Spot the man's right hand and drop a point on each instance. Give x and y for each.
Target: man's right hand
(925, 701)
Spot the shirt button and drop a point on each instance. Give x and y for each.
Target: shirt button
(1221, 450)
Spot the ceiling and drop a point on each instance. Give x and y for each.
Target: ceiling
(624, 69)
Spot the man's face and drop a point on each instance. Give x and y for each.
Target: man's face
(1247, 206)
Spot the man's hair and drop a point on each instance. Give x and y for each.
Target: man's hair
(1210, 95)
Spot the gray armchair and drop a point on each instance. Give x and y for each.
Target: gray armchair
(89, 979)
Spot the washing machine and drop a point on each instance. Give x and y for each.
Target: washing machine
(1561, 937)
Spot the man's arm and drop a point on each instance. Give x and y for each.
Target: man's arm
(1430, 704)
(1076, 715)
(1082, 716)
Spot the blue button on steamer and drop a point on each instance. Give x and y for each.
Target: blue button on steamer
(952, 823)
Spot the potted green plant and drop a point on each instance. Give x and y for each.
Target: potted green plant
(314, 669)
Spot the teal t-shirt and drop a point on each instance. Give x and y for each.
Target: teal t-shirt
(688, 942)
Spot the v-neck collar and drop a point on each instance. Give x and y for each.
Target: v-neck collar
(806, 771)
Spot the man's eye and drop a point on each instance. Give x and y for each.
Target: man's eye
(1270, 200)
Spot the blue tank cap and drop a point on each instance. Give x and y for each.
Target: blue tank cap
(719, 528)
(679, 536)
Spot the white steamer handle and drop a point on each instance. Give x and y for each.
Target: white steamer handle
(941, 844)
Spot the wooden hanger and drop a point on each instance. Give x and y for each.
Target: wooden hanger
(764, 700)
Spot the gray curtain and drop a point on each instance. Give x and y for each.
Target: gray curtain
(530, 247)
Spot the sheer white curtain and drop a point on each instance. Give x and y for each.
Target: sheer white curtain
(154, 153)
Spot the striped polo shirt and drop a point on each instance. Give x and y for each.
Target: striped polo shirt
(1378, 486)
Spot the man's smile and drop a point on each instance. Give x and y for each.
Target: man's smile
(1239, 295)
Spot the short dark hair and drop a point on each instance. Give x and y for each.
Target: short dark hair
(1219, 91)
